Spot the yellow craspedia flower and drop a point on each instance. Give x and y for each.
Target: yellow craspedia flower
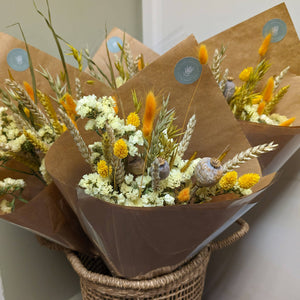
(247, 181)
(133, 119)
(245, 74)
(228, 180)
(184, 195)
(120, 149)
(203, 55)
(103, 169)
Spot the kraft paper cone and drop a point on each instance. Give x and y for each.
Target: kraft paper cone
(49, 216)
(136, 47)
(142, 242)
(46, 214)
(242, 43)
(52, 64)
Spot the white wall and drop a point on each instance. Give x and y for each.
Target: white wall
(29, 271)
(165, 23)
(266, 263)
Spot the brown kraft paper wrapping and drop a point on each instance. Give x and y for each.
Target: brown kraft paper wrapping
(48, 214)
(142, 242)
(242, 43)
(52, 64)
(136, 47)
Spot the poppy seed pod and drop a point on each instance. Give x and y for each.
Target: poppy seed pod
(164, 168)
(229, 89)
(208, 171)
(135, 165)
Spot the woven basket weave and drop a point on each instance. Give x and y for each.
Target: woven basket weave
(185, 283)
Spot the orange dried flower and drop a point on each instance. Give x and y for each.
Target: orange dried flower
(268, 91)
(184, 195)
(116, 108)
(288, 122)
(29, 90)
(149, 114)
(203, 55)
(261, 107)
(265, 45)
(69, 105)
(140, 65)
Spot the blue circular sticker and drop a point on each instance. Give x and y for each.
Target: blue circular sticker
(277, 28)
(188, 70)
(112, 44)
(17, 59)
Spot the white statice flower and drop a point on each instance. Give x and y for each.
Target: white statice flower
(278, 118)
(44, 172)
(273, 119)
(132, 150)
(245, 192)
(266, 119)
(169, 200)
(142, 181)
(47, 134)
(17, 143)
(3, 139)
(87, 106)
(121, 199)
(9, 185)
(5, 207)
(120, 81)
(96, 186)
(136, 138)
(152, 199)
(90, 125)
(173, 180)
(117, 124)
(128, 178)
(176, 177)
(3, 109)
(130, 192)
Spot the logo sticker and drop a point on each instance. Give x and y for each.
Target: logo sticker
(278, 29)
(187, 70)
(112, 44)
(17, 59)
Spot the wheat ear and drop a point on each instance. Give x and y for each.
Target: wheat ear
(81, 145)
(24, 97)
(187, 136)
(247, 155)
(155, 174)
(278, 78)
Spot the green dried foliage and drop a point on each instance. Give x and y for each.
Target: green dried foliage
(276, 98)
(244, 95)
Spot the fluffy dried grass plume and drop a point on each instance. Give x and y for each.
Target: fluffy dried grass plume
(203, 55)
(265, 45)
(149, 114)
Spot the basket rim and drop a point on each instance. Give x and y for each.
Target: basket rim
(191, 267)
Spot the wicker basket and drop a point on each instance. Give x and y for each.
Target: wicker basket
(185, 283)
